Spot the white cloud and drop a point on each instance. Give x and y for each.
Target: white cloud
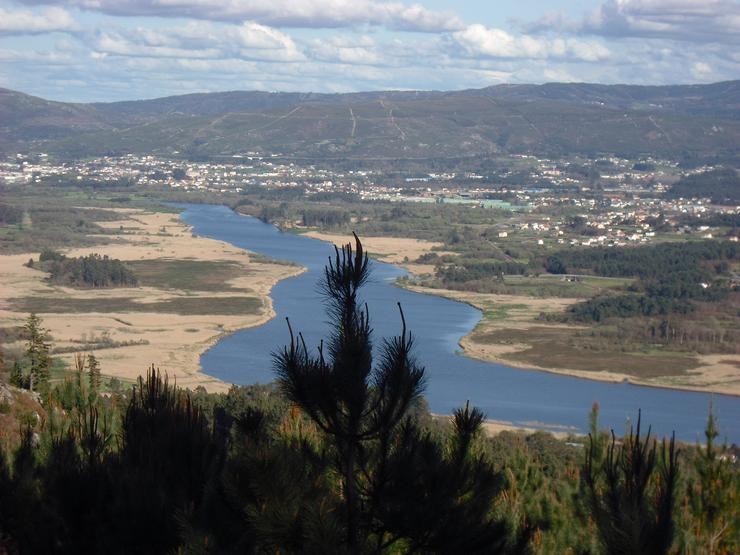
(477, 40)
(117, 44)
(349, 50)
(686, 20)
(18, 22)
(701, 71)
(283, 13)
(212, 47)
(200, 41)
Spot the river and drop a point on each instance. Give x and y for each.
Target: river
(524, 397)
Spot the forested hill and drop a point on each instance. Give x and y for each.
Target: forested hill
(675, 121)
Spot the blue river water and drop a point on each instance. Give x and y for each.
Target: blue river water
(525, 397)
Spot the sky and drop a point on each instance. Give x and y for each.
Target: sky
(108, 50)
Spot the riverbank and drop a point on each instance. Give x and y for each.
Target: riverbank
(509, 333)
(393, 250)
(219, 290)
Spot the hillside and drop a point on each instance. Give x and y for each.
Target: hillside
(672, 121)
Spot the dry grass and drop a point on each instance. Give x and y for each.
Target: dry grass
(194, 290)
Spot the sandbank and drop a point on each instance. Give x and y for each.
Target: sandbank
(399, 251)
(715, 373)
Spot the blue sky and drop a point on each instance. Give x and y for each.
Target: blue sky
(104, 50)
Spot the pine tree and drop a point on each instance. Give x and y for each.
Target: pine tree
(37, 352)
(633, 493)
(80, 363)
(16, 375)
(349, 400)
(714, 497)
(397, 483)
(93, 375)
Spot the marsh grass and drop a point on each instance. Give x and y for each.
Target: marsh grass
(227, 306)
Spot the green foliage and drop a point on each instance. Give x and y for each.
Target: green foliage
(722, 186)
(385, 462)
(633, 493)
(37, 354)
(325, 217)
(340, 456)
(162, 431)
(50, 255)
(17, 378)
(93, 375)
(711, 520)
(671, 276)
(92, 270)
(10, 215)
(470, 270)
(645, 262)
(52, 220)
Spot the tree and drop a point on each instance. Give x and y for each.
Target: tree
(16, 376)
(384, 461)
(349, 400)
(632, 493)
(714, 498)
(93, 375)
(37, 353)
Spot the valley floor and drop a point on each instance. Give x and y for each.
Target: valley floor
(509, 333)
(223, 289)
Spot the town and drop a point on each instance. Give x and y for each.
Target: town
(549, 202)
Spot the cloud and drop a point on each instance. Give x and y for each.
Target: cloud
(686, 20)
(199, 41)
(477, 40)
(283, 13)
(25, 22)
(348, 50)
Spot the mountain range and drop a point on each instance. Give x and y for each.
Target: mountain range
(680, 121)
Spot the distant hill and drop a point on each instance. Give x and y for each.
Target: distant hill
(691, 121)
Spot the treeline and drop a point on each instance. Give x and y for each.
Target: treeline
(713, 220)
(471, 270)
(626, 305)
(324, 217)
(92, 270)
(722, 186)
(10, 215)
(119, 183)
(48, 219)
(670, 276)
(701, 333)
(643, 262)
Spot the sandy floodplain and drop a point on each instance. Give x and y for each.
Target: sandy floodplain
(394, 250)
(167, 339)
(718, 373)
